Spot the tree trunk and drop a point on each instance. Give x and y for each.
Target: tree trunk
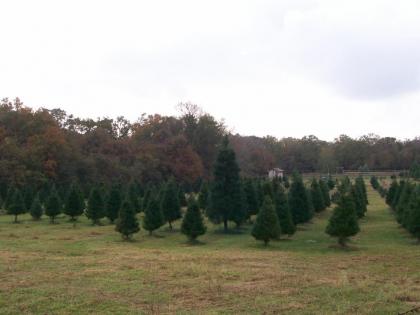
(265, 242)
(16, 218)
(225, 225)
(170, 225)
(342, 241)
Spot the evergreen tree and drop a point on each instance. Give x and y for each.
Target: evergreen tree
(267, 226)
(95, 210)
(325, 193)
(74, 205)
(193, 223)
(17, 206)
(317, 196)
(251, 197)
(343, 222)
(392, 191)
(283, 212)
(170, 205)
(53, 205)
(300, 204)
(203, 196)
(153, 217)
(227, 194)
(286, 182)
(127, 223)
(113, 204)
(36, 209)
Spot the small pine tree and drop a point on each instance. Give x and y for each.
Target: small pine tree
(95, 210)
(317, 196)
(36, 209)
(75, 204)
(325, 192)
(267, 226)
(283, 212)
(113, 204)
(53, 205)
(127, 223)
(403, 202)
(170, 205)
(153, 217)
(193, 223)
(343, 222)
(300, 204)
(134, 196)
(17, 206)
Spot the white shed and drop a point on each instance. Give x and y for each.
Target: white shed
(275, 173)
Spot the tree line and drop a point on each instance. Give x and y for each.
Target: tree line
(44, 147)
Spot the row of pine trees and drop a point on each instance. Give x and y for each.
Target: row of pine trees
(404, 199)
(277, 205)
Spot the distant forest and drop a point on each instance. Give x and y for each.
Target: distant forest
(38, 146)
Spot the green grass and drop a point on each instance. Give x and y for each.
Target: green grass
(58, 269)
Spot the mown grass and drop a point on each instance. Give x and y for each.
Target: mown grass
(58, 269)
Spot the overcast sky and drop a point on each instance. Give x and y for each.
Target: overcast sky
(283, 68)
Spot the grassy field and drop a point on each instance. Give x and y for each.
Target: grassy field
(58, 269)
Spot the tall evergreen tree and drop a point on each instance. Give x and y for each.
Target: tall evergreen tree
(325, 192)
(283, 212)
(53, 205)
(153, 217)
(251, 197)
(331, 183)
(127, 223)
(267, 226)
(343, 222)
(317, 196)
(74, 205)
(36, 209)
(267, 188)
(361, 186)
(113, 204)
(193, 223)
(170, 205)
(300, 204)
(17, 206)
(227, 194)
(95, 210)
